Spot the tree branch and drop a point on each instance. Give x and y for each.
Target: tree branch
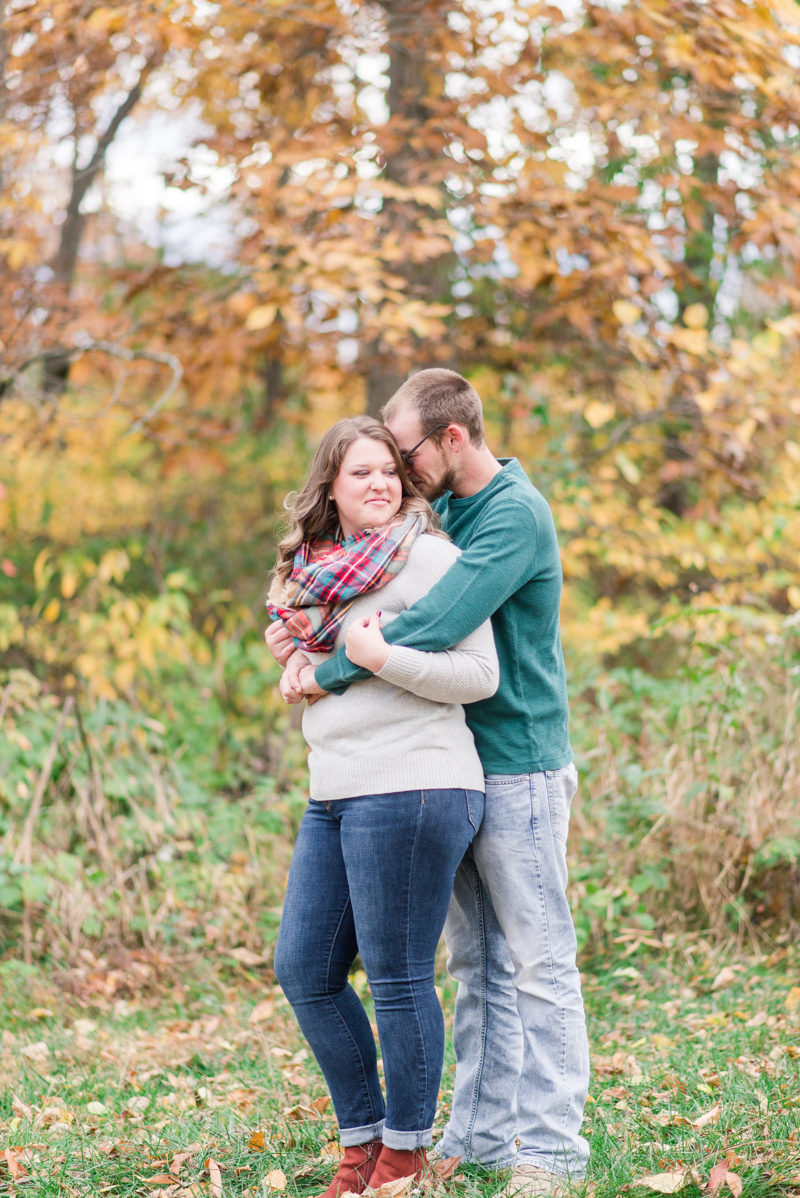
(82, 179)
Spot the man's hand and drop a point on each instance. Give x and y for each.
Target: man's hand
(311, 689)
(364, 644)
(280, 642)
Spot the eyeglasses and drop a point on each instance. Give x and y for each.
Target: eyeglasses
(409, 453)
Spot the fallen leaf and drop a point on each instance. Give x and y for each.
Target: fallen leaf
(734, 1183)
(246, 957)
(257, 1142)
(16, 1170)
(262, 1011)
(84, 1027)
(725, 977)
(138, 1104)
(21, 1109)
(792, 1000)
(40, 1013)
(214, 1178)
(159, 1179)
(178, 1160)
(711, 1116)
(759, 1018)
(331, 1152)
(97, 1108)
(394, 1189)
(445, 1169)
(276, 1179)
(321, 1104)
(665, 1183)
(717, 1177)
(36, 1052)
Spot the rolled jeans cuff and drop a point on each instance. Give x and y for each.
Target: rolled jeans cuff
(348, 1136)
(407, 1140)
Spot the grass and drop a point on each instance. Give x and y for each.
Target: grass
(98, 1094)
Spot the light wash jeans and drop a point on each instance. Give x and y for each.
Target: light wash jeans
(519, 1035)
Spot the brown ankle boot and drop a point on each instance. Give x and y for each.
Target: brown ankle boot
(355, 1169)
(400, 1162)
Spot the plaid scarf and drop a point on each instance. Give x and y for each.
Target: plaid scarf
(328, 576)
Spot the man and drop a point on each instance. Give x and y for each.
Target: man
(519, 1032)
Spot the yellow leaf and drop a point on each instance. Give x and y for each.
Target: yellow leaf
(786, 11)
(276, 1180)
(628, 469)
(18, 252)
(597, 413)
(696, 316)
(261, 317)
(793, 595)
(793, 450)
(626, 312)
(789, 326)
(745, 430)
(707, 401)
(694, 341)
(257, 1142)
(50, 613)
(332, 1152)
(106, 20)
(69, 583)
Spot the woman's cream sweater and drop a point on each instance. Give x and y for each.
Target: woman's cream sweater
(404, 728)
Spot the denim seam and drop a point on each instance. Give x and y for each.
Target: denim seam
(363, 1080)
(476, 1089)
(424, 1070)
(563, 1013)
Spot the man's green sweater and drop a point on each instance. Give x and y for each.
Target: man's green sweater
(509, 570)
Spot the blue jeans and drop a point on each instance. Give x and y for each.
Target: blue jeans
(373, 875)
(519, 1033)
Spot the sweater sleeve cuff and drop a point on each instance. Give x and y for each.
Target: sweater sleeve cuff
(401, 667)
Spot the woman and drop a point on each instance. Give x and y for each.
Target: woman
(396, 797)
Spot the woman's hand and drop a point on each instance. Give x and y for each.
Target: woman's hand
(280, 642)
(298, 681)
(364, 644)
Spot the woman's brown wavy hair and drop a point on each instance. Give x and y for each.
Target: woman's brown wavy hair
(311, 509)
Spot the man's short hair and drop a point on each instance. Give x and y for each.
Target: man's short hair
(439, 397)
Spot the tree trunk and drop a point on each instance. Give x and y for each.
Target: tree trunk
(416, 84)
(56, 370)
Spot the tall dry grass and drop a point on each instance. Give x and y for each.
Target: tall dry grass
(112, 832)
(690, 807)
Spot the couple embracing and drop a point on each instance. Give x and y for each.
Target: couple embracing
(416, 598)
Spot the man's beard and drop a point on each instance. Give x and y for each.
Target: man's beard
(440, 486)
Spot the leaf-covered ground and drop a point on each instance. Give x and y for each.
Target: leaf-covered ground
(209, 1089)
